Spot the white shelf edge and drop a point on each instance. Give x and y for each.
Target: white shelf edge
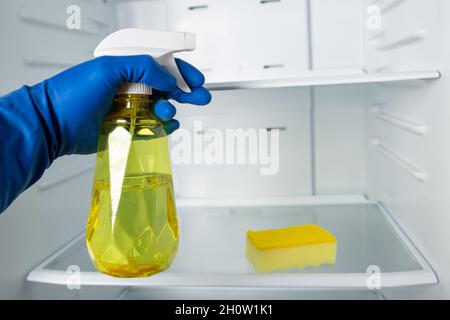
(409, 244)
(314, 79)
(167, 279)
(426, 276)
(184, 203)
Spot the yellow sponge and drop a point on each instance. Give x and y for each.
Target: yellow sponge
(291, 247)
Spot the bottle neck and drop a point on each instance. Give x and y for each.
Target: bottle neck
(126, 105)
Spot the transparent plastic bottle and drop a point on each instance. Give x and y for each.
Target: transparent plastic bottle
(132, 230)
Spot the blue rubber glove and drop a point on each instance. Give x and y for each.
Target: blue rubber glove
(63, 114)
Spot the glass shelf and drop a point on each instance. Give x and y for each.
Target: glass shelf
(319, 78)
(212, 251)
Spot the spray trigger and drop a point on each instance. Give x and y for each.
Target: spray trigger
(169, 63)
(161, 45)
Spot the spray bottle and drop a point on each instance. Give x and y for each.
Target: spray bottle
(132, 230)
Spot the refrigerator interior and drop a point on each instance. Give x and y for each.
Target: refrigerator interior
(353, 87)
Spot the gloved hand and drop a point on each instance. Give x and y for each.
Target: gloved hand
(80, 97)
(63, 114)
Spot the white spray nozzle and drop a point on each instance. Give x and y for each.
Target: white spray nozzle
(161, 45)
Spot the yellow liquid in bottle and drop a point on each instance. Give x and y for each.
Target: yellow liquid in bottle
(132, 228)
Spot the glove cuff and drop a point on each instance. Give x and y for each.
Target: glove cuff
(28, 144)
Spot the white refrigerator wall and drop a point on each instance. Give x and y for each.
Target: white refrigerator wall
(326, 130)
(250, 40)
(408, 163)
